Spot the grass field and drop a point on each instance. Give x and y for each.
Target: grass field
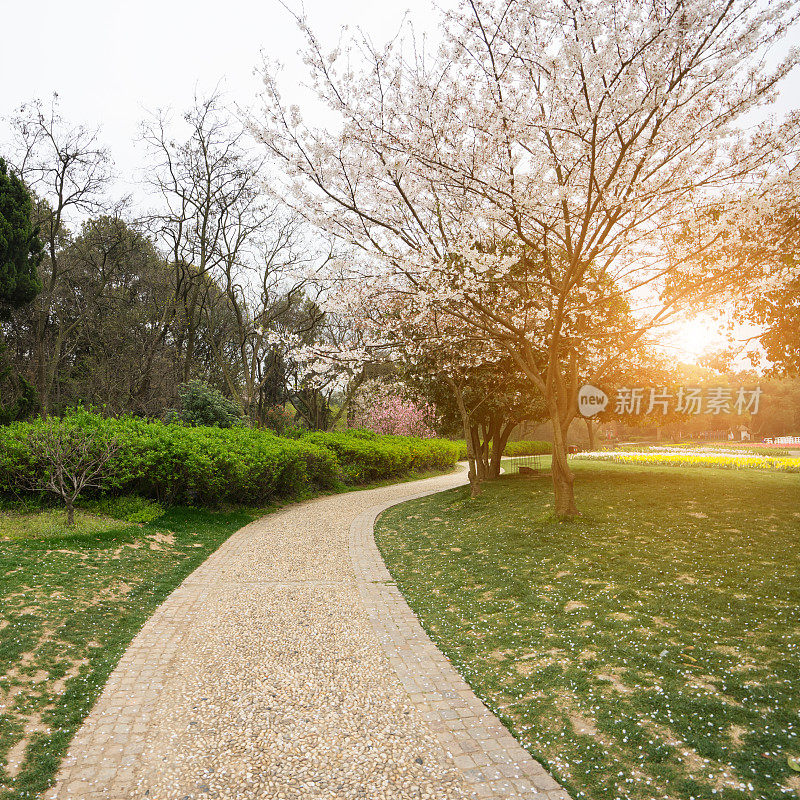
(650, 649)
(71, 602)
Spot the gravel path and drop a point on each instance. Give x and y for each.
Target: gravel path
(289, 666)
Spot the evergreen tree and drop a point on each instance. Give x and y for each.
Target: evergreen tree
(20, 248)
(21, 253)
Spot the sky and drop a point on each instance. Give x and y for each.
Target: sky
(113, 63)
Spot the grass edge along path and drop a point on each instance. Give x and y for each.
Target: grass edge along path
(72, 604)
(649, 649)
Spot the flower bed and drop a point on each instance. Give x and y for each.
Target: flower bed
(720, 459)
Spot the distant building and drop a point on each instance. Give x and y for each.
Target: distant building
(744, 433)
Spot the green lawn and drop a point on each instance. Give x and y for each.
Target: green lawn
(650, 649)
(71, 602)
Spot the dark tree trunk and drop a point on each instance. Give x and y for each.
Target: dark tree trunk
(561, 397)
(499, 442)
(592, 433)
(474, 482)
(480, 449)
(473, 459)
(563, 478)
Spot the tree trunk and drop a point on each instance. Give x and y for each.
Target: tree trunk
(591, 431)
(70, 513)
(191, 331)
(562, 475)
(474, 482)
(472, 457)
(499, 442)
(480, 450)
(40, 374)
(562, 404)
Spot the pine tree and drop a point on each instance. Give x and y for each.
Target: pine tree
(21, 253)
(20, 248)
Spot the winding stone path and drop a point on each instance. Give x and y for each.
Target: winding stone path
(288, 666)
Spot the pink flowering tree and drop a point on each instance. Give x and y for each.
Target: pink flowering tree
(551, 186)
(385, 411)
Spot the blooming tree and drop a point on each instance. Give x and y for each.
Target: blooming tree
(387, 412)
(552, 185)
(389, 335)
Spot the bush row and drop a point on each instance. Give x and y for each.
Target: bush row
(174, 463)
(528, 448)
(366, 456)
(522, 448)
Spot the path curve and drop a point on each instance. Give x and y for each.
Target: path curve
(289, 667)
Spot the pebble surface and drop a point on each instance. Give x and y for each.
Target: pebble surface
(288, 666)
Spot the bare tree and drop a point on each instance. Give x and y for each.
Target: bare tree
(69, 171)
(220, 230)
(69, 459)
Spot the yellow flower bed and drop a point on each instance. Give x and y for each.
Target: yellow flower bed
(769, 463)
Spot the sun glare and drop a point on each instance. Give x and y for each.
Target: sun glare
(692, 338)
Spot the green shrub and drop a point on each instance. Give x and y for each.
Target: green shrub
(205, 466)
(523, 448)
(173, 463)
(428, 454)
(364, 460)
(202, 404)
(17, 464)
(366, 456)
(528, 448)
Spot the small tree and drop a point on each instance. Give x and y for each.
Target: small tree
(69, 459)
(387, 412)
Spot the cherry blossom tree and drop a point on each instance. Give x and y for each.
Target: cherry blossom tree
(552, 184)
(385, 410)
(389, 335)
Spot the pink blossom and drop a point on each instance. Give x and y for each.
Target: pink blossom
(387, 413)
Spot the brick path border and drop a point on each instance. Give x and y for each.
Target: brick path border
(493, 763)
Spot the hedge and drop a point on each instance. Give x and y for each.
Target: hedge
(528, 448)
(522, 448)
(174, 463)
(366, 456)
